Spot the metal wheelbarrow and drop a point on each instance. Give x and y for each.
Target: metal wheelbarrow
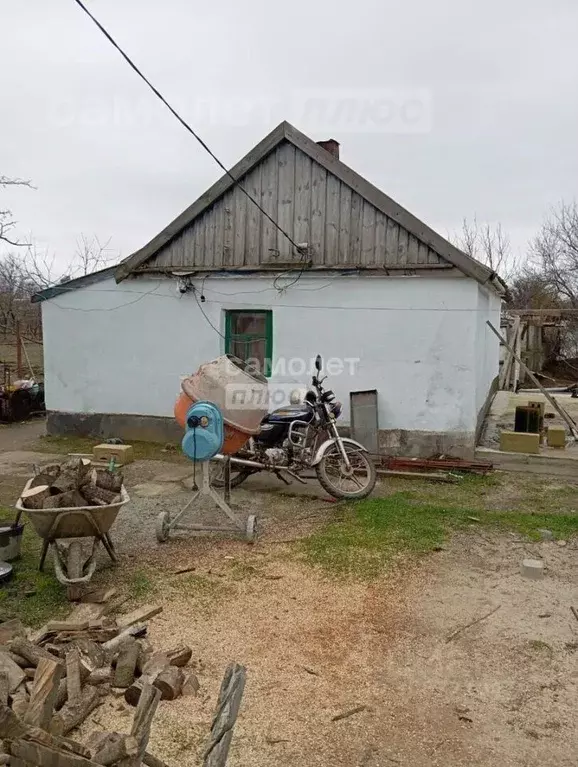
(55, 526)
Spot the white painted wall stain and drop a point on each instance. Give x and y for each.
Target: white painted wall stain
(421, 342)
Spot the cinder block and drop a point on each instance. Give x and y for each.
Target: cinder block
(532, 568)
(122, 454)
(556, 436)
(519, 442)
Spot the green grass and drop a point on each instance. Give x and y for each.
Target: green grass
(371, 533)
(141, 585)
(201, 589)
(71, 444)
(31, 596)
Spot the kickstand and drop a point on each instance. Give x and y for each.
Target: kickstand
(282, 478)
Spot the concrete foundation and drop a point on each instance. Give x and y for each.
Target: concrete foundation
(147, 428)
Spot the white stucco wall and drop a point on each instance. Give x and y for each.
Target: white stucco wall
(123, 348)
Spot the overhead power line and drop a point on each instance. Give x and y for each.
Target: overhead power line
(187, 127)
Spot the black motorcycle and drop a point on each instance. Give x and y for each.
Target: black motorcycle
(296, 438)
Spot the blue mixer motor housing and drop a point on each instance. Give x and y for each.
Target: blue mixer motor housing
(205, 432)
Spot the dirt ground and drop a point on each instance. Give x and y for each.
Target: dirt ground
(501, 691)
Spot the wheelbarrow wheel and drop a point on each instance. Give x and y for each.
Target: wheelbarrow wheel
(163, 526)
(251, 530)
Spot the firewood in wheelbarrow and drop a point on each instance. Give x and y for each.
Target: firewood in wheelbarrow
(98, 496)
(46, 476)
(70, 500)
(109, 480)
(74, 474)
(34, 497)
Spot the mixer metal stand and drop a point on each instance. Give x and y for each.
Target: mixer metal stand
(165, 525)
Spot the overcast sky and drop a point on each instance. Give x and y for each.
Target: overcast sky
(452, 107)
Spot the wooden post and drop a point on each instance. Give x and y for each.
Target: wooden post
(18, 351)
(558, 408)
(226, 714)
(141, 726)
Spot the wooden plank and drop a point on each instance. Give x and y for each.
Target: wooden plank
(43, 696)
(240, 203)
(73, 683)
(219, 219)
(302, 213)
(253, 233)
(559, 409)
(269, 203)
(368, 235)
(227, 711)
(286, 200)
(355, 227)
(422, 253)
(391, 243)
(198, 236)
(332, 207)
(344, 225)
(210, 225)
(56, 626)
(402, 246)
(433, 258)
(318, 199)
(13, 671)
(380, 238)
(141, 614)
(412, 249)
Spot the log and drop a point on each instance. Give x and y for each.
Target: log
(61, 695)
(13, 728)
(52, 502)
(92, 656)
(226, 713)
(144, 613)
(98, 496)
(141, 726)
(40, 755)
(34, 497)
(71, 715)
(180, 656)
(56, 626)
(47, 475)
(73, 684)
(18, 659)
(170, 682)
(14, 673)
(100, 676)
(44, 693)
(20, 700)
(115, 747)
(126, 664)
(109, 480)
(114, 645)
(191, 686)
(30, 652)
(69, 500)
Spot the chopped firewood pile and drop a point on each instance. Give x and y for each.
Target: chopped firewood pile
(74, 483)
(52, 679)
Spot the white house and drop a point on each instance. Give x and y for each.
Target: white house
(323, 263)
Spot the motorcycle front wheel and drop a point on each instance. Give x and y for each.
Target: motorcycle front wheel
(351, 483)
(217, 475)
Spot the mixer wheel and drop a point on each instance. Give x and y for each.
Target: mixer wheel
(163, 526)
(251, 530)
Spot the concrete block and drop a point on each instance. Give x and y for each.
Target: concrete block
(556, 436)
(532, 568)
(519, 442)
(122, 454)
(538, 405)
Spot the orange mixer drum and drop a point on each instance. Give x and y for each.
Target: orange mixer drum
(210, 383)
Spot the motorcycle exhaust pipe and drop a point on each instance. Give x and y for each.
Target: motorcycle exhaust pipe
(240, 462)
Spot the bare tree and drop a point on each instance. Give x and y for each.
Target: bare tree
(555, 252)
(488, 244)
(7, 222)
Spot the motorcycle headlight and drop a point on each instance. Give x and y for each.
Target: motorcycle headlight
(296, 397)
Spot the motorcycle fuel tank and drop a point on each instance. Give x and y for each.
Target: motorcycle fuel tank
(289, 414)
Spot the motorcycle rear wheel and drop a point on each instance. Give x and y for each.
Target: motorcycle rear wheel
(217, 474)
(341, 482)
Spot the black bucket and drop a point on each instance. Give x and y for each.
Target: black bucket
(10, 542)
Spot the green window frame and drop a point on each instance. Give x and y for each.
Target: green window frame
(244, 343)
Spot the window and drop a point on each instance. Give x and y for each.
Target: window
(249, 336)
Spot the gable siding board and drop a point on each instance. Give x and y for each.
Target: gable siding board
(312, 205)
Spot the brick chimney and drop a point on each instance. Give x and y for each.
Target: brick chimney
(331, 146)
